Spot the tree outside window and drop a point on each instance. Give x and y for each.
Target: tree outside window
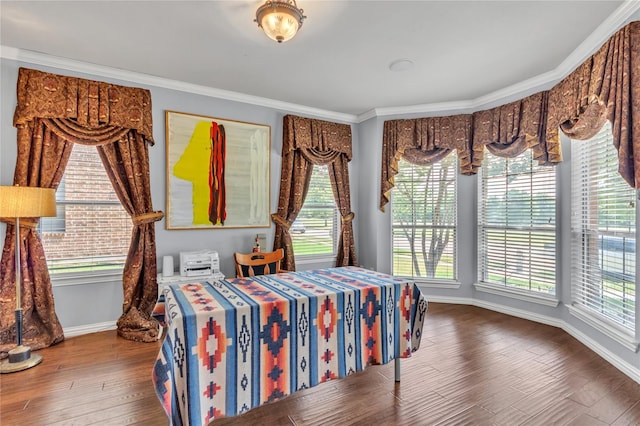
(424, 220)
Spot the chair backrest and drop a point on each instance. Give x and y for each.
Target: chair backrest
(259, 263)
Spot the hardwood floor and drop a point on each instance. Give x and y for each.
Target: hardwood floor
(474, 367)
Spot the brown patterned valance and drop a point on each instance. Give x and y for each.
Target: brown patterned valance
(318, 135)
(509, 130)
(90, 104)
(423, 141)
(606, 86)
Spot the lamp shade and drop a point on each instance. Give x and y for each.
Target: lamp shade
(279, 19)
(27, 201)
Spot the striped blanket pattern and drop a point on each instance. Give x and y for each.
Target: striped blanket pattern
(233, 345)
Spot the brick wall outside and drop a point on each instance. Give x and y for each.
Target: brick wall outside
(92, 228)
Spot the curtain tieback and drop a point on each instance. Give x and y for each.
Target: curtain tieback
(24, 222)
(348, 218)
(147, 218)
(280, 221)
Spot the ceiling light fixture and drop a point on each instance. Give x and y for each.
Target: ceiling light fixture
(280, 19)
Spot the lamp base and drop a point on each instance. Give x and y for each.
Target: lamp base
(20, 358)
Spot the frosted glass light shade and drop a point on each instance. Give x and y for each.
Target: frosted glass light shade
(27, 201)
(279, 19)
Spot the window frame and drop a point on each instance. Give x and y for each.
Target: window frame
(435, 281)
(95, 271)
(530, 229)
(308, 258)
(580, 231)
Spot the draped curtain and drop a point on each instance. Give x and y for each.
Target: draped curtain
(53, 113)
(604, 87)
(423, 141)
(307, 142)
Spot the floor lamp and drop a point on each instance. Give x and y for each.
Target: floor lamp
(17, 202)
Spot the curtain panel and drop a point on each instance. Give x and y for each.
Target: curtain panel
(604, 87)
(41, 327)
(52, 114)
(307, 142)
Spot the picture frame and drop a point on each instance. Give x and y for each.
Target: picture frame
(217, 172)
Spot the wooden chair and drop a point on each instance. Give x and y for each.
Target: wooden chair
(259, 263)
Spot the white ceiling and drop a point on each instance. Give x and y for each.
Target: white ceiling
(463, 51)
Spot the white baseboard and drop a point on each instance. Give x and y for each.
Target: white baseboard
(89, 328)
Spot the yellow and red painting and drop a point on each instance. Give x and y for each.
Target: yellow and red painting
(217, 172)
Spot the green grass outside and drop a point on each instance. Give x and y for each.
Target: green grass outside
(313, 245)
(84, 268)
(403, 265)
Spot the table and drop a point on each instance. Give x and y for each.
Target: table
(159, 309)
(235, 344)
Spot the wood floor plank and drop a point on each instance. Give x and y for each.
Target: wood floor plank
(629, 417)
(586, 420)
(563, 411)
(617, 400)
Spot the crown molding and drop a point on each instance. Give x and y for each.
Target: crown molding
(619, 18)
(609, 26)
(37, 58)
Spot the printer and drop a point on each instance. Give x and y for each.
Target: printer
(199, 263)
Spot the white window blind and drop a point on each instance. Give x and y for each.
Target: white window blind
(603, 232)
(92, 231)
(424, 220)
(517, 224)
(315, 231)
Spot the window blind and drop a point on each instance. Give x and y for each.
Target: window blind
(424, 220)
(603, 228)
(316, 229)
(92, 231)
(517, 224)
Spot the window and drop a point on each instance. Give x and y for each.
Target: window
(316, 229)
(603, 233)
(92, 230)
(517, 225)
(423, 215)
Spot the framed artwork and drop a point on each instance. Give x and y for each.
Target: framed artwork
(217, 173)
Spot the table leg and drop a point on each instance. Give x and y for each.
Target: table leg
(397, 360)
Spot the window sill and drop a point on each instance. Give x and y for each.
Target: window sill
(312, 258)
(85, 278)
(434, 283)
(617, 333)
(540, 299)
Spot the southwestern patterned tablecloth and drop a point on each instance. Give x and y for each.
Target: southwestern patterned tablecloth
(235, 344)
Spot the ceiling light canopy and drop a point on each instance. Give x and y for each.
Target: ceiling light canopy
(280, 19)
(401, 65)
